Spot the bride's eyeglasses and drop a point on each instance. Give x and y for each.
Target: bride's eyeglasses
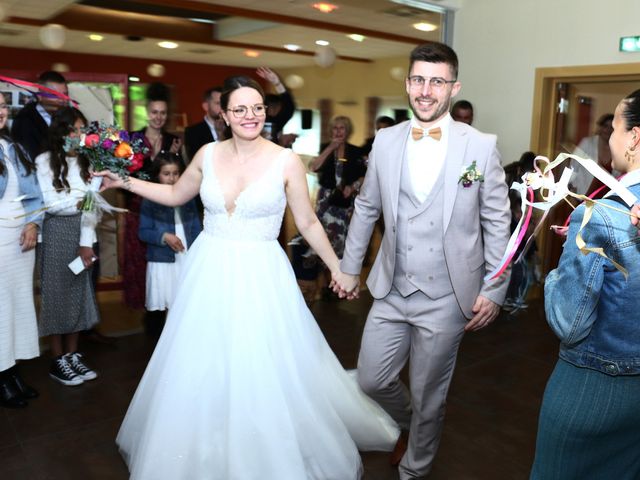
(259, 110)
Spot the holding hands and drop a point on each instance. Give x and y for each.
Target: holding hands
(345, 285)
(174, 242)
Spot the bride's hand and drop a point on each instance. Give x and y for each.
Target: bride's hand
(109, 180)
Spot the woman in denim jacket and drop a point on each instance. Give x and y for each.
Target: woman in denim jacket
(168, 233)
(19, 225)
(589, 425)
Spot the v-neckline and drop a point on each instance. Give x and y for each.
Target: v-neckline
(242, 191)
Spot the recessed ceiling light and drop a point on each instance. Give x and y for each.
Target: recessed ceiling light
(322, 43)
(95, 37)
(356, 37)
(252, 53)
(292, 46)
(133, 78)
(325, 7)
(169, 45)
(425, 27)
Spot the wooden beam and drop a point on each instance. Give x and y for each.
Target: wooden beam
(278, 18)
(92, 19)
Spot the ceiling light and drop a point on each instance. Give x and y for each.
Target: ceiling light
(325, 7)
(322, 43)
(292, 46)
(425, 27)
(252, 53)
(95, 37)
(356, 37)
(133, 78)
(169, 45)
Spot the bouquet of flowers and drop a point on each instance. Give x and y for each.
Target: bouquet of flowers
(107, 147)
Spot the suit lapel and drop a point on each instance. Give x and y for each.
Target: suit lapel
(397, 153)
(454, 162)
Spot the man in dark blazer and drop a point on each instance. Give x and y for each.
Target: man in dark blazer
(31, 125)
(210, 129)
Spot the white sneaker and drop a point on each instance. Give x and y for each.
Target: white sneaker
(78, 366)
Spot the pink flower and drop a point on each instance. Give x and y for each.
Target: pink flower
(92, 140)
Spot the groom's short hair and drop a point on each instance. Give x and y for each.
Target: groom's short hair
(434, 52)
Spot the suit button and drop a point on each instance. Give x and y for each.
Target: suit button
(394, 229)
(431, 223)
(430, 277)
(431, 249)
(409, 275)
(411, 222)
(410, 247)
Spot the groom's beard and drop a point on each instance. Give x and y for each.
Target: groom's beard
(441, 109)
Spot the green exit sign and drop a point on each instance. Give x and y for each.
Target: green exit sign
(630, 44)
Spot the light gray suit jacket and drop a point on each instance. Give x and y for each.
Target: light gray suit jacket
(476, 219)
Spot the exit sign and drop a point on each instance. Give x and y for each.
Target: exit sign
(630, 44)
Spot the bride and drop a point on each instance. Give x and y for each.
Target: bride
(242, 384)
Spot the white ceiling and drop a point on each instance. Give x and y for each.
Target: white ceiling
(366, 14)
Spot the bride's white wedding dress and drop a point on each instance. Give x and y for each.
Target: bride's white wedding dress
(242, 384)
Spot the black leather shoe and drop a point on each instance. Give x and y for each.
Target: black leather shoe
(9, 396)
(24, 390)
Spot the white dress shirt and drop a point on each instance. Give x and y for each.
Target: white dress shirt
(211, 127)
(66, 203)
(46, 116)
(425, 158)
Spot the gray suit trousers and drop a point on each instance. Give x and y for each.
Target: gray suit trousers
(428, 332)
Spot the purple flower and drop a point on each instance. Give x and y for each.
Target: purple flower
(124, 135)
(108, 144)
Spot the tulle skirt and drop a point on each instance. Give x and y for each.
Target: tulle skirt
(242, 384)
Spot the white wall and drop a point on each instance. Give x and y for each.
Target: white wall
(500, 43)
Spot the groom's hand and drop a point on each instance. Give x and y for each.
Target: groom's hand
(485, 311)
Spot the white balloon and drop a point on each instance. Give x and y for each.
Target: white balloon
(325, 56)
(294, 81)
(156, 70)
(60, 67)
(397, 73)
(53, 35)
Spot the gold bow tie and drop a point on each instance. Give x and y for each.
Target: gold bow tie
(418, 133)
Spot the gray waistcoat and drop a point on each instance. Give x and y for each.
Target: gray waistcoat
(420, 263)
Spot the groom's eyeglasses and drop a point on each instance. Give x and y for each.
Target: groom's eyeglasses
(418, 81)
(259, 110)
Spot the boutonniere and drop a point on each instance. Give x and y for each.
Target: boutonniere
(470, 174)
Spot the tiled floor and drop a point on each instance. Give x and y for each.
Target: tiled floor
(68, 433)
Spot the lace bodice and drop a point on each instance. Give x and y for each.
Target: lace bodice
(259, 208)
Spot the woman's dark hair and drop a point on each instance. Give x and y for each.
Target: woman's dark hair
(23, 157)
(232, 84)
(165, 158)
(62, 124)
(434, 52)
(631, 111)
(157, 92)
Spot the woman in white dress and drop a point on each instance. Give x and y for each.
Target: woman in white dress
(242, 384)
(19, 224)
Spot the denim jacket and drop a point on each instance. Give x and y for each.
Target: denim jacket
(589, 304)
(27, 185)
(156, 220)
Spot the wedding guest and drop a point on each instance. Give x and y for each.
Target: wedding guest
(68, 302)
(280, 108)
(156, 139)
(595, 147)
(30, 127)
(589, 424)
(381, 122)
(341, 171)
(210, 129)
(19, 225)
(168, 233)
(462, 111)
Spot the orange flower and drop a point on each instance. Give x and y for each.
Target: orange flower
(123, 150)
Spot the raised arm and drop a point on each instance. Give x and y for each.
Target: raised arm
(175, 195)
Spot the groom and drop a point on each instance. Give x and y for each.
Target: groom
(442, 193)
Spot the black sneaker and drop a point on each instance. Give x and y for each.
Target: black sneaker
(75, 361)
(62, 372)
